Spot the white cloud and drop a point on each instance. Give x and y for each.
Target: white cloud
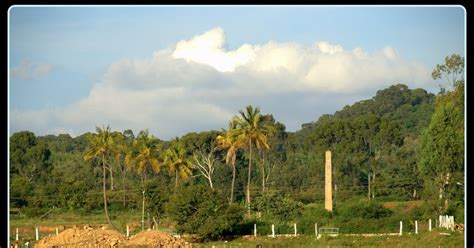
(198, 85)
(328, 48)
(27, 70)
(208, 49)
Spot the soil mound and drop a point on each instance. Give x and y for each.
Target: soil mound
(102, 237)
(156, 239)
(76, 237)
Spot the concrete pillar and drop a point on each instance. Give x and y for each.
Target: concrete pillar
(328, 184)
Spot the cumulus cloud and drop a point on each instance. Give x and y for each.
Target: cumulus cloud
(27, 70)
(208, 48)
(198, 85)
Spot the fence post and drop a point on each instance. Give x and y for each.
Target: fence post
(416, 227)
(16, 236)
(401, 228)
(429, 225)
(255, 229)
(37, 234)
(57, 231)
(128, 231)
(273, 230)
(295, 228)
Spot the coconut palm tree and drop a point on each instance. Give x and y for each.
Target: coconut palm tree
(178, 162)
(100, 146)
(143, 156)
(230, 142)
(253, 132)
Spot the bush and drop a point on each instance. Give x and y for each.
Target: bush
(32, 212)
(370, 209)
(314, 214)
(205, 212)
(280, 207)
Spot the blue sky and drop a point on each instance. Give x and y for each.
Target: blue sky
(60, 56)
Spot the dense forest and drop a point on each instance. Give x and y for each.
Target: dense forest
(403, 144)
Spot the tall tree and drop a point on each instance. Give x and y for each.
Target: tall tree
(177, 161)
(100, 146)
(254, 132)
(142, 157)
(451, 72)
(205, 161)
(441, 151)
(230, 142)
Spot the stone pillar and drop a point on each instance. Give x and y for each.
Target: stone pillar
(328, 184)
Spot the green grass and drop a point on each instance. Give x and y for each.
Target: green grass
(427, 239)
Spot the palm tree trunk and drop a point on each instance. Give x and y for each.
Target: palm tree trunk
(143, 202)
(104, 190)
(111, 178)
(263, 174)
(233, 180)
(123, 186)
(373, 185)
(248, 179)
(176, 180)
(143, 210)
(368, 176)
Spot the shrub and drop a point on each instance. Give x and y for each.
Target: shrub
(205, 212)
(364, 209)
(314, 214)
(280, 207)
(32, 212)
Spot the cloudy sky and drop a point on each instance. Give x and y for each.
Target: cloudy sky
(189, 69)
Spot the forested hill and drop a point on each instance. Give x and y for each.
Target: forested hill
(409, 108)
(374, 138)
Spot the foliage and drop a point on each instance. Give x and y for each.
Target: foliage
(177, 161)
(204, 211)
(278, 206)
(409, 143)
(363, 209)
(441, 150)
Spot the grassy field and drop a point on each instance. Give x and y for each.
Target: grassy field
(428, 239)
(133, 218)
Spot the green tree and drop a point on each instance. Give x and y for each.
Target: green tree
(441, 151)
(143, 157)
(177, 161)
(254, 132)
(230, 142)
(452, 72)
(205, 212)
(100, 146)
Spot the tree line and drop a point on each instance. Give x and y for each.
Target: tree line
(403, 143)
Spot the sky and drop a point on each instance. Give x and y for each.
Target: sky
(175, 70)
